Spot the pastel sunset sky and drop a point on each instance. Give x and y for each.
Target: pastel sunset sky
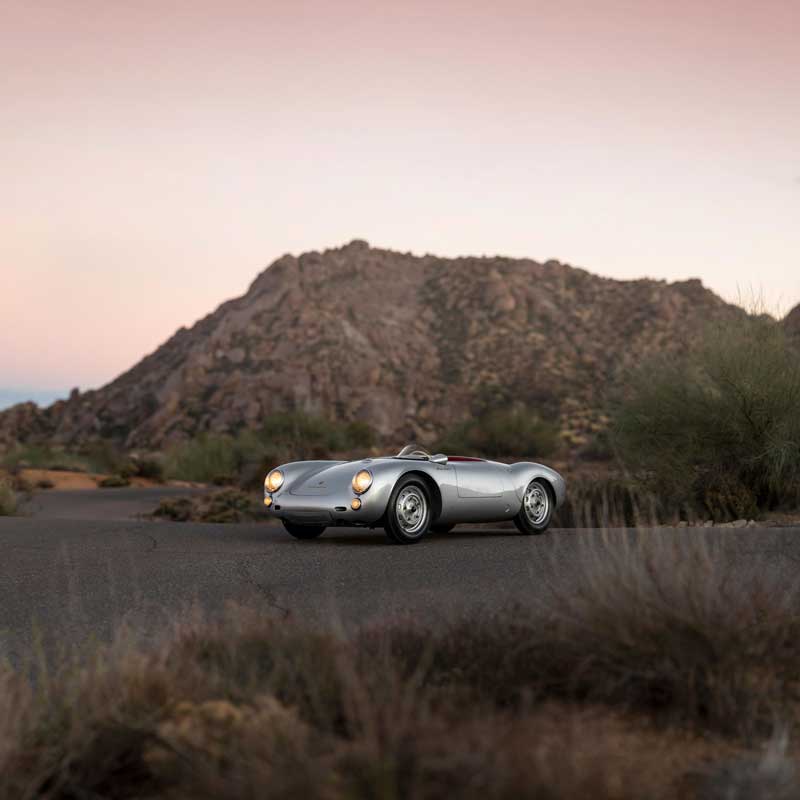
(156, 155)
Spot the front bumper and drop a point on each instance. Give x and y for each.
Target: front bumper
(329, 509)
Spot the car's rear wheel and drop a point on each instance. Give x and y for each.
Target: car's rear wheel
(408, 514)
(538, 505)
(303, 531)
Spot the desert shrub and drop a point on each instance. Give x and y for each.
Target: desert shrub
(225, 505)
(8, 499)
(719, 428)
(150, 467)
(246, 458)
(500, 433)
(307, 436)
(45, 483)
(97, 456)
(114, 482)
(228, 505)
(615, 502)
(208, 458)
(106, 458)
(175, 509)
(44, 457)
(21, 484)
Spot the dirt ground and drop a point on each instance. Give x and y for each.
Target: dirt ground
(64, 480)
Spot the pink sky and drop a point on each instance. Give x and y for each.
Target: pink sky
(156, 155)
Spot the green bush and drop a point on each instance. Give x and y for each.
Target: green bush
(209, 458)
(44, 457)
(308, 436)
(8, 499)
(719, 428)
(500, 433)
(105, 458)
(97, 456)
(245, 459)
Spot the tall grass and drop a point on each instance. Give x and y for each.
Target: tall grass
(718, 429)
(656, 670)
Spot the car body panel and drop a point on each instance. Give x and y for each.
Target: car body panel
(462, 490)
(478, 479)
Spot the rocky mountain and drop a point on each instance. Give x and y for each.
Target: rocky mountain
(410, 344)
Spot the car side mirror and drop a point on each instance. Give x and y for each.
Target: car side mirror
(439, 458)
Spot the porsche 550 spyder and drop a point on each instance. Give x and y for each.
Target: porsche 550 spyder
(411, 493)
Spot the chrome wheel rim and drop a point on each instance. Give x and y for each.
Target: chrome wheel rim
(537, 503)
(411, 510)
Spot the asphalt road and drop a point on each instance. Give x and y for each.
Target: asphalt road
(68, 579)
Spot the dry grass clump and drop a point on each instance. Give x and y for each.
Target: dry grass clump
(8, 499)
(656, 675)
(615, 502)
(225, 505)
(114, 482)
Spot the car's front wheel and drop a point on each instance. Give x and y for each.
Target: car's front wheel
(408, 514)
(538, 505)
(303, 531)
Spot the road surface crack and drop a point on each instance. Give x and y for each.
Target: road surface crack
(262, 589)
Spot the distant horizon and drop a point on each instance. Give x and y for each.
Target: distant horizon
(11, 396)
(160, 151)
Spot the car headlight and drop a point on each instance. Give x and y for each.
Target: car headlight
(362, 480)
(274, 481)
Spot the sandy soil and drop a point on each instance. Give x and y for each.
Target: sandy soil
(84, 480)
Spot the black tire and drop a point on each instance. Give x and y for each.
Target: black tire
(441, 528)
(408, 531)
(303, 531)
(532, 520)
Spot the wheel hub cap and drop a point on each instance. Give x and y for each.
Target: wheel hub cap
(537, 503)
(411, 510)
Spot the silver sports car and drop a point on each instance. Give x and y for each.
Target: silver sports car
(411, 493)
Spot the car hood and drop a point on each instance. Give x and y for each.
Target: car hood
(322, 480)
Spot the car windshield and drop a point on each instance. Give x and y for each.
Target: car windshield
(414, 451)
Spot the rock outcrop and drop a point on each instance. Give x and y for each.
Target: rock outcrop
(409, 344)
